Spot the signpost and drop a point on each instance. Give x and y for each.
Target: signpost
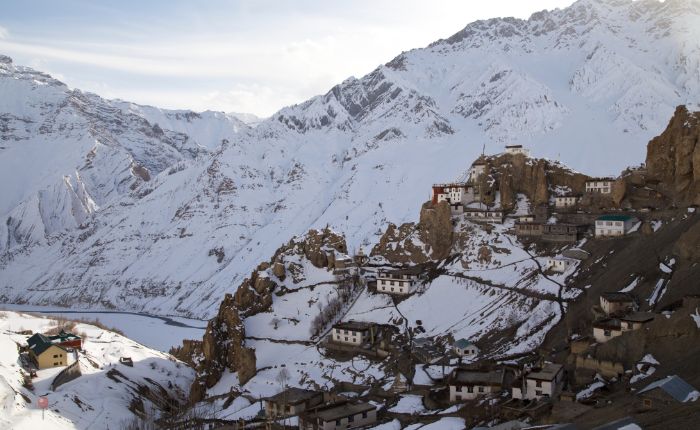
(43, 404)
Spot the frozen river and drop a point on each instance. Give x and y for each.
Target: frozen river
(156, 332)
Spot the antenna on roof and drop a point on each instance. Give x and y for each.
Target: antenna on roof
(483, 149)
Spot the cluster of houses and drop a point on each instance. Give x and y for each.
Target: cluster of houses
(53, 350)
(621, 315)
(319, 410)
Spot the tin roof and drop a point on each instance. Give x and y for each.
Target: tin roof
(39, 343)
(615, 218)
(674, 386)
(462, 343)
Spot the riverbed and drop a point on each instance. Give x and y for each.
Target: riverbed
(153, 331)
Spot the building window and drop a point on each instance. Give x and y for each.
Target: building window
(481, 389)
(607, 333)
(55, 356)
(337, 423)
(470, 389)
(55, 364)
(647, 403)
(364, 414)
(538, 384)
(351, 418)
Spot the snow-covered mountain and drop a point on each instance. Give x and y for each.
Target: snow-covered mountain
(112, 204)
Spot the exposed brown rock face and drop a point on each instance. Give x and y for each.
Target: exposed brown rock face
(430, 239)
(223, 347)
(513, 174)
(688, 245)
(673, 158)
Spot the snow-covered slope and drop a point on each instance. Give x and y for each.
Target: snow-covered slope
(98, 399)
(589, 84)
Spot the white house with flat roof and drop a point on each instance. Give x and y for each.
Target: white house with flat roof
(464, 348)
(546, 382)
(567, 201)
(599, 185)
(399, 282)
(558, 263)
(517, 150)
(468, 384)
(352, 332)
(614, 225)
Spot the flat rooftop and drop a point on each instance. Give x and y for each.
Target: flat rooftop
(353, 325)
(337, 411)
(547, 373)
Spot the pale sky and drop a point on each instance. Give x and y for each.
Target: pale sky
(253, 56)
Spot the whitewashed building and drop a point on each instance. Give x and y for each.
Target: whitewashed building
(606, 329)
(338, 416)
(617, 302)
(614, 225)
(567, 201)
(457, 193)
(546, 382)
(397, 282)
(477, 169)
(558, 264)
(517, 150)
(467, 384)
(599, 185)
(464, 348)
(351, 332)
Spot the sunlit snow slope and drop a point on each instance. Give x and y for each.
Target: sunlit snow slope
(107, 203)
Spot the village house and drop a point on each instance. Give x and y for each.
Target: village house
(563, 232)
(558, 264)
(425, 350)
(528, 229)
(546, 382)
(457, 193)
(464, 348)
(566, 201)
(617, 302)
(291, 402)
(479, 212)
(635, 320)
(517, 150)
(477, 169)
(399, 281)
(599, 185)
(46, 354)
(67, 340)
(354, 333)
(664, 392)
(345, 415)
(606, 329)
(614, 225)
(468, 384)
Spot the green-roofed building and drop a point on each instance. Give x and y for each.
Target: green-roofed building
(615, 225)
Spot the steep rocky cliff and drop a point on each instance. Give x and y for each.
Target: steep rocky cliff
(430, 239)
(537, 178)
(673, 157)
(224, 344)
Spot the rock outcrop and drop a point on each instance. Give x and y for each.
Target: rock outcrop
(673, 158)
(223, 348)
(535, 177)
(430, 239)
